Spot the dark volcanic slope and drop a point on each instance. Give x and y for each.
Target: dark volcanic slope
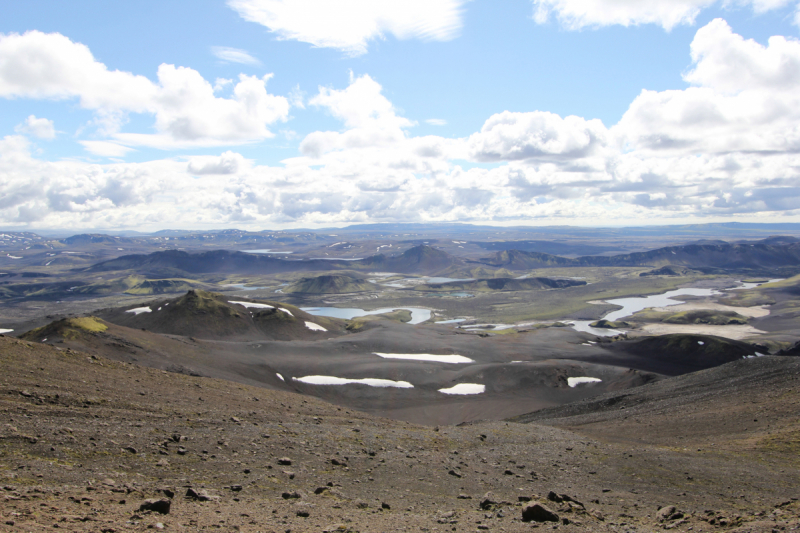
(208, 315)
(676, 353)
(750, 401)
(418, 260)
(87, 441)
(217, 261)
(502, 284)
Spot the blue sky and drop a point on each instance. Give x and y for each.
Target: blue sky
(523, 112)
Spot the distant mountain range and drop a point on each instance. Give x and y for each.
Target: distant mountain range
(766, 255)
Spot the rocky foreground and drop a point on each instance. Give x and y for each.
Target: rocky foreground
(89, 444)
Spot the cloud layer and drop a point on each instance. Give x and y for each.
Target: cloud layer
(577, 14)
(727, 146)
(349, 25)
(186, 110)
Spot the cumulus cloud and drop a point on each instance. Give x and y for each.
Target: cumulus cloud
(746, 97)
(234, 55)
(187, 113)
(349, 25)
(725, 147)
(227, 163)
(577, 14)
(511, 136)
(38, 127)
(436, 122)
(369, 117)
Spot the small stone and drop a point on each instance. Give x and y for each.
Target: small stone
(293, 495)
(665, 513)
(200, 495)
(488, 501)
(158, 506)
(284, 461)
(385, 505)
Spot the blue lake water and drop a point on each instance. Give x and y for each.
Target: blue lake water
(418, 315)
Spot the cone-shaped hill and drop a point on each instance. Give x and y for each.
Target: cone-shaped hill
(330, 284)
(208, 315)
(66, 329)
(417, 260)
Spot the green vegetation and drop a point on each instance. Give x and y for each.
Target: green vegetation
(67, 328)
(400, 315)
(714, 318)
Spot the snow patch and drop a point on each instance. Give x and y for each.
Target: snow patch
(286, 311)
(372, 382)
(251, 304)
(574, 382)
(5, 330)
(455, 359)
(465, 388)
(279, 377)
(139, 310)
(314, 327)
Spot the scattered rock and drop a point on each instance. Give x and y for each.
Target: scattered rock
(285, 461)
(538, 513)
(669, 512)
(488, 501)
(156, 505)
(200, 495)
(293, 495)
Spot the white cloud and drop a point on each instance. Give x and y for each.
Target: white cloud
(187, 113)
(436, 122)
(746, 98)
(38, 127)
(511, 136)
(369, 117)
(725, 148)
(106, 148)
(227, 163)
(349, 25)
(577, 14)
(234, 55)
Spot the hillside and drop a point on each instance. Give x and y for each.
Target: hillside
(502, 284)
(96, 443)
(217, 261)
(747, 403)
(780, 254)
(421, 259)
(329, 284)
(208, 315)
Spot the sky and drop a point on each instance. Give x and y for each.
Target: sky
(277, 114)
